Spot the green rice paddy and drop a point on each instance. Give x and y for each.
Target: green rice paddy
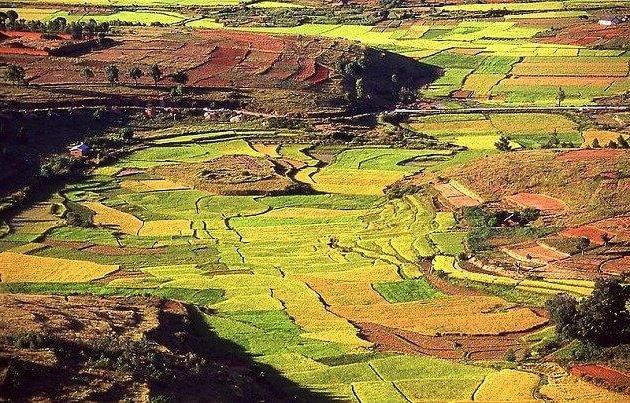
(262, 264)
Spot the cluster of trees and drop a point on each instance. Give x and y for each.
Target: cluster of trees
(112, 72)
(621, 142)
(602, 318)
(11, 20)
(503, 144)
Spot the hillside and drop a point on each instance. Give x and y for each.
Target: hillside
(112, 349)
(221, 68)
(593, 184)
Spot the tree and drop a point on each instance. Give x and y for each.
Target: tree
(126, 133)
(612, 144)
(136, 73)
(563, 309)
(180, 77)
(606, 238)
(15, 74)
(603, 317)
(561, 96)
(503, 144)
(112, 74)
(58, 24)
(12, 16)
(595, 143)
(87, 73)
(156, 74)
(622, 142)
(583, 244)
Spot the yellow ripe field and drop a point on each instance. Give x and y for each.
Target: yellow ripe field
(449, 315)
(573, 389)
(16, 267)
(356, 182)
(110, 217)
(481, 84)
(268, 149)
(308, 212)
(532, 123)
(338, 336)
(508, 385)
(336, 292)
(150, 185)
(603, 136)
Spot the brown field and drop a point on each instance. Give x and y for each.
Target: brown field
(455, 197)
(616, 266)
(452, 347)
(228, 67)
(534, 251)
(540, 202)
(229, 175)
(587, 34)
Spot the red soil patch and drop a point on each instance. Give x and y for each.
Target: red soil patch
(600, 373)
(454, 197)
(321, 74)
(446, 347)
(619, 227)
(538, 201)
(617, 266)
(594, 234)
(587, 34)
(580, 267)
(590, 154)
(22, 51)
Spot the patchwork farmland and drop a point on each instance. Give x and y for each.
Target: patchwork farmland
(299, 201)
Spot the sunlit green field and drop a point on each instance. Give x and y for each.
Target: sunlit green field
(278, 271)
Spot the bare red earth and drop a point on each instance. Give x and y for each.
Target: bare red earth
(611, 377)
(538, 201)
(447, 347)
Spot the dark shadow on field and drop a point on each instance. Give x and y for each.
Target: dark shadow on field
(28, 138)
(389, 78)
(267, 378)
(182, 359)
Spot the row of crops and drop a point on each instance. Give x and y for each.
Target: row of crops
(291, 279)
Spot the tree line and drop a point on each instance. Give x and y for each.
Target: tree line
(10, 20)
(17, 75)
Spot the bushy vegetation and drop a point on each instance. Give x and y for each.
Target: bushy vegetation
(602, 318)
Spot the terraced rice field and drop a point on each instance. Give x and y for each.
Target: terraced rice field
(305, 279)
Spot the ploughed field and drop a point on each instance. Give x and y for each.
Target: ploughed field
(520, 56)
(303, 264)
